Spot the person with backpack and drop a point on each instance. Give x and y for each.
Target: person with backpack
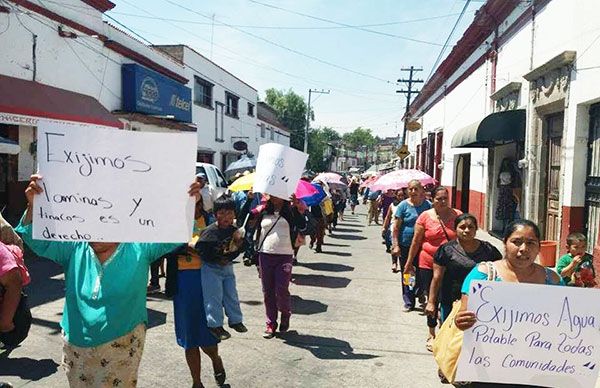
(279, 225)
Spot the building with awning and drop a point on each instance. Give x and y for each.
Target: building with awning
(494, 130)
(517, 102)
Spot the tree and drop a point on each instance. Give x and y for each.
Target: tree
(291, 112)
(318, 142)
(359, 138)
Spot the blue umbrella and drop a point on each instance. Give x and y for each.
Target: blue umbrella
(315, 199)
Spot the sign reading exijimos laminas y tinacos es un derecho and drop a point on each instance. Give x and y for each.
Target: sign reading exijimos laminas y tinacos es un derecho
(532, 334)
(104, 184)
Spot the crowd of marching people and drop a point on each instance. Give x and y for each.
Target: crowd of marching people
(433, 247)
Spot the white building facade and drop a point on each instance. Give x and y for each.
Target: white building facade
(518, 94)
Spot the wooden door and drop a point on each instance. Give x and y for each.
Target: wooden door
(554, 125)
(592, 184)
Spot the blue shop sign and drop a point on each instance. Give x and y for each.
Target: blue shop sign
(146, 91)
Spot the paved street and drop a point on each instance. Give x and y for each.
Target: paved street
(347, 329)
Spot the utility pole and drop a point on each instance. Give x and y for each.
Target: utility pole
(409, 93)
(310, 91)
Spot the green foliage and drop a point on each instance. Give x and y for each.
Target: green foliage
(291, 112)
(318, 139)
(359, 138)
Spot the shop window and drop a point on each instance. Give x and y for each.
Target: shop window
(203, 91)
(231, 105)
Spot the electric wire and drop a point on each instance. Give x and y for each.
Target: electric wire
(439, 57)
(297, 52)
(344, 24)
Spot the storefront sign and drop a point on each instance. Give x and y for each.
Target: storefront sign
(112, 185)
(146, 91)
(532, 334)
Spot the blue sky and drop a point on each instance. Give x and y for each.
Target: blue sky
(239, 45)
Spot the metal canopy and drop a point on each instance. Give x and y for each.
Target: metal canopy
(495, 129)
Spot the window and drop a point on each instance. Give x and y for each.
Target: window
(272, 134)
(231, 102)
(250, 109)
(263, 130)
(202, 92)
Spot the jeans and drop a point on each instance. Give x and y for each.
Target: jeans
(408, 294)
(219, 289)
(275, 276)
(425, 276)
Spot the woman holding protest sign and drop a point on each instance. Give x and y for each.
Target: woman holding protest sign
(279, 224)
(104, 317)
(452, 263)
(522, 245)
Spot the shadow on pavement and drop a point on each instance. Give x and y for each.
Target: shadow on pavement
(347, 230)
(156, 318)
(54, 326)
(334, 253)
(347, 237)
(335, 245)
(329, 267)
(352, 225)
(307, 306)
(251, 302)
(324, 348)
(43, 289)
(26, 368)
(320, 281)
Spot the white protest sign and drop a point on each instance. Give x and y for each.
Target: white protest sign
(103, 184)
(532, 334)
(278, 170)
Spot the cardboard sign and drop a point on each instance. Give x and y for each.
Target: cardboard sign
(532, 334)
(110, 185)
(278, 169)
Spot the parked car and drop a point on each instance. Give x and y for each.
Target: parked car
(216, 179)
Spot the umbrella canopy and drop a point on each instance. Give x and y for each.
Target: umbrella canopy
(303, 191)
(399, 179)
(243, 183)
(316, 198)
(8, 146)
(369, 181)
(333, 180)
(242, 164)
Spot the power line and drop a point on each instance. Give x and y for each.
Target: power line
(282, 46)
(261, 27)
(344, 24)
(437, 61)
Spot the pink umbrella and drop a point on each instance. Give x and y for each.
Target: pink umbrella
(399, 179)
(305, 189)
(329, 177)
(369, 181)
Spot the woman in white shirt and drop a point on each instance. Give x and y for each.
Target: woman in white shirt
(279, 223)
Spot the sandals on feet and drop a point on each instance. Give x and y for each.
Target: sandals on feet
(429, 344)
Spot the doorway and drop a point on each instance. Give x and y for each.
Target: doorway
(460, 199)
(592, 184)
(553, 142)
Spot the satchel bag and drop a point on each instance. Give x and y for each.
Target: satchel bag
(448, 342)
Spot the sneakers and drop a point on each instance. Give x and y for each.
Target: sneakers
(152, 289)
(285, 324)
(270, 331)
(239, 327)
(219, 333)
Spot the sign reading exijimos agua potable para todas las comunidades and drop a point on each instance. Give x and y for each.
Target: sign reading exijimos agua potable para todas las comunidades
(532, 334)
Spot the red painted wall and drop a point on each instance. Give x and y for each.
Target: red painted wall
(477, 207)
(572, 221)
